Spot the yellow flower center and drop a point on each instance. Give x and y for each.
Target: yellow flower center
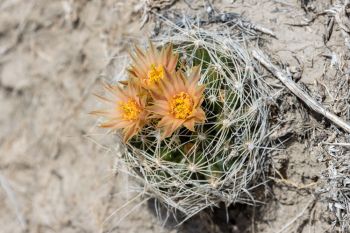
(181, 105)
(130, 110)
(155, 74)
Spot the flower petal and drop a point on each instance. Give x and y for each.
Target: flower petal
(160, 107)
(166, 120)
(129, 132)
(190, 124)
(200, 115)
(171, 128)
(107, 113)
(115, 124)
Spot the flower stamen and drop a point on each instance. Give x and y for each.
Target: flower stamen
(130, 110)
(155, 74)
(181, 105)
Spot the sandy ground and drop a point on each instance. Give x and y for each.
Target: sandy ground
(56, 168)
(52, 56)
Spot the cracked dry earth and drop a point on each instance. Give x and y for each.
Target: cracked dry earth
(56, 167)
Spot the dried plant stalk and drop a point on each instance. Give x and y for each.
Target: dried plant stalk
(293, 87)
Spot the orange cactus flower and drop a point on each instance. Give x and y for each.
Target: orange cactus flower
(128, 109)
(178, 102)
(149, 66)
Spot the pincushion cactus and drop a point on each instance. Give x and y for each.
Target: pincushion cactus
(194, 120)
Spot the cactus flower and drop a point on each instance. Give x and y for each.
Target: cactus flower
(127, 110)
(149, 66)
(178, 102)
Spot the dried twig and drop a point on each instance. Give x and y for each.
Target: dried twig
(339, 12)
(329, 29)
(293, 87)
(308, 22)
(234, 18)
(152, 5)
(292, 184)
(336, 144)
